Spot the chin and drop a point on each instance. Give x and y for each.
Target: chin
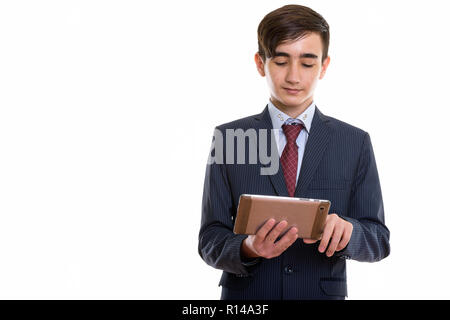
(293, 101)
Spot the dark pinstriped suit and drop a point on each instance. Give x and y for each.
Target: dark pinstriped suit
(338, 165)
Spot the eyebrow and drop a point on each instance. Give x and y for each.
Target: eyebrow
(303, 55)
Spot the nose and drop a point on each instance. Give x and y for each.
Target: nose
(293, 75)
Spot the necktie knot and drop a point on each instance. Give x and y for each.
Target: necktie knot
(291, 131)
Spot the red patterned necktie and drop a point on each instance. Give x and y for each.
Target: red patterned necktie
(289, 157)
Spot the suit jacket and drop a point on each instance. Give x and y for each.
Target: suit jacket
(338, 165)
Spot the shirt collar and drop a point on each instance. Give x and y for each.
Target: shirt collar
(279, 117)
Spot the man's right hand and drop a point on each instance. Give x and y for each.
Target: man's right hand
(263, 244)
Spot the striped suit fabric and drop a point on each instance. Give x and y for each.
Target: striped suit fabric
(338, 165)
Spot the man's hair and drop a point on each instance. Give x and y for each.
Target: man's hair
(290, 22)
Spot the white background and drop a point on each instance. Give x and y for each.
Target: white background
(107, 110)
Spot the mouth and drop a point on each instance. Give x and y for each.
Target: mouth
(292, 91)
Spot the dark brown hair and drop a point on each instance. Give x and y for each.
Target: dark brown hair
(290, 22)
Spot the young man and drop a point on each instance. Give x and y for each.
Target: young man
(320, 157)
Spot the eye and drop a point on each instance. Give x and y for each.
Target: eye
(307, 65)
(280, 63)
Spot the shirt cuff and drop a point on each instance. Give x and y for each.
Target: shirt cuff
(250, 262)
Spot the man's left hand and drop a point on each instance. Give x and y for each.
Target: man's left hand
(336, 229)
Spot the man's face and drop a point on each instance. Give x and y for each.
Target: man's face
(293, 72)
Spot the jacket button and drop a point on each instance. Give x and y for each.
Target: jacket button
(288, 270)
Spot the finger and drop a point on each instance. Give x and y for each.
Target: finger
(273, 235)
(264, 230)
(286, 241)
(327, 232)
(335, 239)
(309, 241)
(345, 240)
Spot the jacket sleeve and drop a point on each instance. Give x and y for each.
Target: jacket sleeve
(370, 237)
(218, 246)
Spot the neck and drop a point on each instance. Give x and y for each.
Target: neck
(292, 111)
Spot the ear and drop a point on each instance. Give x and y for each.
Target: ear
(324, 67)
(259, 64)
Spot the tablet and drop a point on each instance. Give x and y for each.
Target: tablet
(307, 215)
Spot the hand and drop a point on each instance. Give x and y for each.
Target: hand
(340, 232)
(263, 244)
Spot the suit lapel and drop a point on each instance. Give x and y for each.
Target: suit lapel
(316, 145)
(265, 122)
